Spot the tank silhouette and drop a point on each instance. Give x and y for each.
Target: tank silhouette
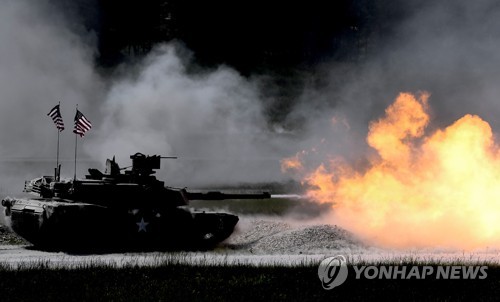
(114, 210)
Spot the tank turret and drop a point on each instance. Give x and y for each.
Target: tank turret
(122, 207)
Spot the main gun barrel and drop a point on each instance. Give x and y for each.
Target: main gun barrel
(222, 196)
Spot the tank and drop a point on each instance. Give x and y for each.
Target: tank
(120, 208)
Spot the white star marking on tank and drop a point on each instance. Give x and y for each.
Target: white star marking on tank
(142, 225)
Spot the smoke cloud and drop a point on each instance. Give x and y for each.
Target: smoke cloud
(41, 63)
(213, 120)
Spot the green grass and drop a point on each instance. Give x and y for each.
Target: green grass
(174, 281)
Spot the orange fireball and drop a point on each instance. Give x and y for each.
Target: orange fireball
(292, 163)
(440, 189)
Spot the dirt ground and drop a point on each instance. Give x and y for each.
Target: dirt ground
(9, 237)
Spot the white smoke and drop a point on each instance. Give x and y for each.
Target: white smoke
(212, 120)
(41, 63)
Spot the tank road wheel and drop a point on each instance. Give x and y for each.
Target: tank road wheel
(210, 236)
(177, 228)
(214, 228)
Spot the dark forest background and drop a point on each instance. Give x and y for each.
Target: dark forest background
(251, 36)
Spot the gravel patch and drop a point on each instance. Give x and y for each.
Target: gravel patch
(277, 237)
(8, 237)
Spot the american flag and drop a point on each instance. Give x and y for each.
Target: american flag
(82, 124)
(55, 114)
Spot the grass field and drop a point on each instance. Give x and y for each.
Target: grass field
(173, 281)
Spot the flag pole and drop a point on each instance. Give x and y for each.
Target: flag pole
(76, 144)
(57, 156)
(55, 114)
(82, 124)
